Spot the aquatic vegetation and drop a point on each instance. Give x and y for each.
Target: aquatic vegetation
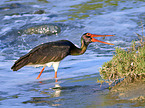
(128, 65)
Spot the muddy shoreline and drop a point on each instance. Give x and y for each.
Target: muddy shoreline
(134, 91)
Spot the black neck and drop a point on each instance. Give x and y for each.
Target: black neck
(79, 51)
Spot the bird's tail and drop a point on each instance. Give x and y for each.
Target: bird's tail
(22, 61)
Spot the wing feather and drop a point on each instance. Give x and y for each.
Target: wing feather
(48, 53)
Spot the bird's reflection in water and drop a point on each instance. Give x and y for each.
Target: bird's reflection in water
(52, 97)
(57, 90)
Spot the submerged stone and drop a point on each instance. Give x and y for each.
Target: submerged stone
(11, 6)
(42, 29)
(39, 12)
(14, 9)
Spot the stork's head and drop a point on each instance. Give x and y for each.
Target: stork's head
(88, 38)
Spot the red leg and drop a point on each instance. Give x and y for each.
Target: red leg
(40, 73)
(55, 74)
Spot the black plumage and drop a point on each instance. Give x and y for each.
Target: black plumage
(44, 53)
(52, 53)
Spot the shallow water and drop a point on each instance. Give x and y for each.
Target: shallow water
(77, 75)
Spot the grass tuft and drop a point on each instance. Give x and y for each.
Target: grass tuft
(127, 64)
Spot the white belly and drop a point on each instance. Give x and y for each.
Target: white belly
(54, 64)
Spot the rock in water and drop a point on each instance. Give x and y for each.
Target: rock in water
(11, 6)
(39, 12)
(42, 29)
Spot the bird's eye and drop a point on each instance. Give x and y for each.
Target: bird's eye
(88, 34)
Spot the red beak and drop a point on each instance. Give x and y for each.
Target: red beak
(95, 40)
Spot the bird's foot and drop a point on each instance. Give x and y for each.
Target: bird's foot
(37, 77)
(56, 80)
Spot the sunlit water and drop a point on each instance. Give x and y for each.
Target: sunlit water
(77, 75)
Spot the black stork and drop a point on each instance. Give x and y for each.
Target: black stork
(52, 53)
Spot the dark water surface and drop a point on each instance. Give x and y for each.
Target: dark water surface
(77, 75)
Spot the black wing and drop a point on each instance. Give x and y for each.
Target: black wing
(49, 52)
(44, 53)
